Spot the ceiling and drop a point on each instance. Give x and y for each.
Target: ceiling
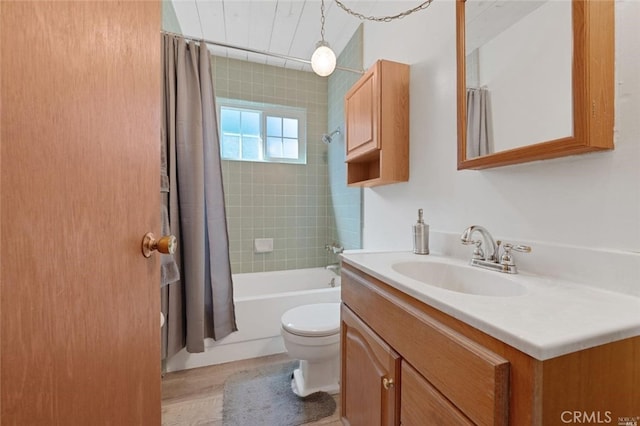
(292, 27)
(486, 19)
(284, 27)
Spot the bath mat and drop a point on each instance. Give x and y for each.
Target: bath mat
(263, 397)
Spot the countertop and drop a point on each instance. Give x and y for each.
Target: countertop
(552, 318)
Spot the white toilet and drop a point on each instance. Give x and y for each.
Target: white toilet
(311, 334)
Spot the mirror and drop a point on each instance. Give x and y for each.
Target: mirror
(535, 80)
(510, 62)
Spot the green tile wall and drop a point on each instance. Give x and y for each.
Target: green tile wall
(346, 202)
(286, 202)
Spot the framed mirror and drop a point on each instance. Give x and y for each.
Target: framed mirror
(535, 80)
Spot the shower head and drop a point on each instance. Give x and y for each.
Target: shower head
(328, 138)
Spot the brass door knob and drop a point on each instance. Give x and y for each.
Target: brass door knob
(387, 383)
(166, 244)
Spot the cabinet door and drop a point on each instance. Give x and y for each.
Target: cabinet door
(422, 404)
(370, 374)
(361, 108)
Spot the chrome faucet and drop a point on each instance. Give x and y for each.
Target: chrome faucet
(492, 260)
(334, 248)
(334, 267)
(467, 238)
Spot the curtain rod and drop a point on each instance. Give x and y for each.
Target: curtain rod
(259, 52)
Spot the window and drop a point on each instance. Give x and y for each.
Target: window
(251, 131)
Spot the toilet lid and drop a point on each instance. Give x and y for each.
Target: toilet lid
(320, 319)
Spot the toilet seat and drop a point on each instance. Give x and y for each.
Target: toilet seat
(317, 320)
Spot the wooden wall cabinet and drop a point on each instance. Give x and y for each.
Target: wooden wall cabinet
(451, 373)
(377, 126)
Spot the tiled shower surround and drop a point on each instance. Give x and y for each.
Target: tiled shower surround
(346, 201)
(302, 207)
(287, 202)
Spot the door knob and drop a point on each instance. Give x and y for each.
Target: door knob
(166, 244)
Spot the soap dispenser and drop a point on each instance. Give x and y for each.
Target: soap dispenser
(420, 236)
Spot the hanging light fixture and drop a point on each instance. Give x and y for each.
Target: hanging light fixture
(323, 60)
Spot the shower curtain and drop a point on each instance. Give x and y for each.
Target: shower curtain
(478, 123)
(200, 304)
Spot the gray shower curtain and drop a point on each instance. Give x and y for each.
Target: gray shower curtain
(200, 304)
(479, 132)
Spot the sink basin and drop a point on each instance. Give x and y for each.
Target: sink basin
(461, 278)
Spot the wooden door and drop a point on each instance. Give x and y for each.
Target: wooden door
(370, 376)
(80, 134)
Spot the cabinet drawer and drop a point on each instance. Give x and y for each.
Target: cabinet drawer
(421, 403)
(473, 378)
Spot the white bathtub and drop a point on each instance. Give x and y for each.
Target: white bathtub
(260, 300)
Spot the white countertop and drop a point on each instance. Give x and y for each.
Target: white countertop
(552, 318)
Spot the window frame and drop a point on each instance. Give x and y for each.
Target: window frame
(267, 110)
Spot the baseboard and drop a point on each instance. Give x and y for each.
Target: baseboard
(220, 354)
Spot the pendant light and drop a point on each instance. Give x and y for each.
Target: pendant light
(323, 60)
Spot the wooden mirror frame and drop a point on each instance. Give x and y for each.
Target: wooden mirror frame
(593, 90)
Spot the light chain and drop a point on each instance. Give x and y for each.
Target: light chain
(421, 6)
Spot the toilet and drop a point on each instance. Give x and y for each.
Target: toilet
(311, 334)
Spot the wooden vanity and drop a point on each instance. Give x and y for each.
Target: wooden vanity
(404, 362)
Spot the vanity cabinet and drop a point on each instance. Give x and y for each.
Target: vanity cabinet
(369, 391)
(447, 372)
(377, 126)
(449, 378)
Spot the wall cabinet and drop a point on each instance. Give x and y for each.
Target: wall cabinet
(447, 372)
(377, 126)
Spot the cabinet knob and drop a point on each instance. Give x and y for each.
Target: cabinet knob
(387, 383)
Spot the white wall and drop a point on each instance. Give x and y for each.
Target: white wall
(590, 201)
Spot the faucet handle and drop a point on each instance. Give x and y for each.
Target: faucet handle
(478, 253)
(507, 258)
(518, 247)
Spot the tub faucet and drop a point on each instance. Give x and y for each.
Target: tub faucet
(492, 260)
(334, 267)
(334, 248)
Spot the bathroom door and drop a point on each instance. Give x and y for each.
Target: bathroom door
(80, 155)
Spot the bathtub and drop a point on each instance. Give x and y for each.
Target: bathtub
(260, 299)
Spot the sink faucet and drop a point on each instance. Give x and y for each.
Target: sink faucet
(467, 238)
(492, 260)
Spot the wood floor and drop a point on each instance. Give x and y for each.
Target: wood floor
(194, 397)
